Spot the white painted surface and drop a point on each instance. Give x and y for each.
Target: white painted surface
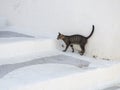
(98, 75)
(47, 77)
(16, 47)
(69, 17)
(40, 18)
(3, 22)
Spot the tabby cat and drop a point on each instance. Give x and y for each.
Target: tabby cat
(75, 39)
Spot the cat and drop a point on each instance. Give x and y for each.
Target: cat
(75, 39)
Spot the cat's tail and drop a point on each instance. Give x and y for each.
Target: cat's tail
(93, 27)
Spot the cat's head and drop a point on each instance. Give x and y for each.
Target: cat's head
(60, 36)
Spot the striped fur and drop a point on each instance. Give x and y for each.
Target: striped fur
(75, 39)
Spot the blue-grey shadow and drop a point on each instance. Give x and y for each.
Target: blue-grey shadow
(60, 59)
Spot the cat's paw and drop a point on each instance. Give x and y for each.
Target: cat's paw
(80, 52)
(64, 50)
(72, 51)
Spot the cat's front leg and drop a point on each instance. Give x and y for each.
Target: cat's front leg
(66, 48)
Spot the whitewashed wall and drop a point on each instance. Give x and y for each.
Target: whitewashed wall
(70, 17)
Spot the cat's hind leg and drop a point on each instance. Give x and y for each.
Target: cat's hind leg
(72, 47)
(83, 49)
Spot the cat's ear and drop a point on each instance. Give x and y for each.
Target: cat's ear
(59, 33)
